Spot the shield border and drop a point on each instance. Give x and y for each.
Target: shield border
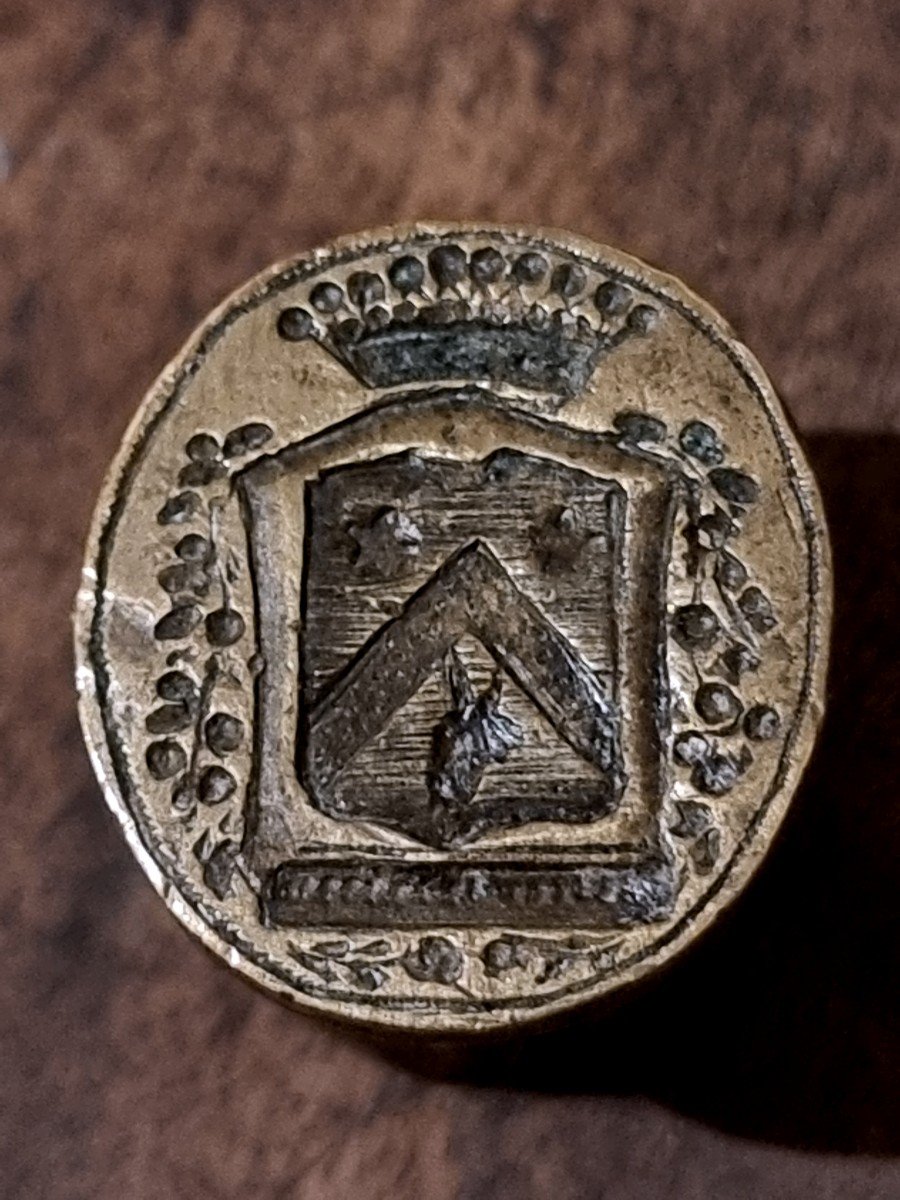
(320, 883)
(471, 559)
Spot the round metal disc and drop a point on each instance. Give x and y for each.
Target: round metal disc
(453, 631)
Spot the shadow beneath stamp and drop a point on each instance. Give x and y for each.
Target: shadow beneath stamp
(781, 1025)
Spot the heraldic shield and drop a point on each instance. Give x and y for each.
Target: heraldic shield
(446, 659)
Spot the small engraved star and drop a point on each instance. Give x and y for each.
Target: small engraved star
(563, 539)
(386, 545)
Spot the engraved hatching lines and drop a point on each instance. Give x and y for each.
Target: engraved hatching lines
(383, 764)
(472, 594)
(419, 511)
(441, 503)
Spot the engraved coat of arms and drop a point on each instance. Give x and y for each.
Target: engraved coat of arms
(477, 602)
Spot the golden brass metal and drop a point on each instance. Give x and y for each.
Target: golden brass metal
(453, 630)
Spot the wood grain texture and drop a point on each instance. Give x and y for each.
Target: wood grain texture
(155, 154)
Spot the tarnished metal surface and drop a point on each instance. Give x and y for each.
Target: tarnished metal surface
(453, 631)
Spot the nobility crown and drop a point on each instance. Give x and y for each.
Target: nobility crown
(528, 319)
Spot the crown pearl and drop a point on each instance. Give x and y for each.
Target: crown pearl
(294, 324)
(568, 280)
(365, 289)
(407, 275)
(487, 267)
(350, 330)
(405, 311)
(612, 299)
(377, 317)
(442, 313)
(447, 265)
(537, 317)
(326, 297)
(642, 318)
(530, 268)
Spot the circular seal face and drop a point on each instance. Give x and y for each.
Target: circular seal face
(453, 629)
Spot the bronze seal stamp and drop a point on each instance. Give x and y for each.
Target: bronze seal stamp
(453, 631)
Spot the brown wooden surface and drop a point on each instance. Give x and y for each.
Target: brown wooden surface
(154, 154)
